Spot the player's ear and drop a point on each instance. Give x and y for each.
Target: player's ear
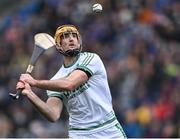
(80, 41)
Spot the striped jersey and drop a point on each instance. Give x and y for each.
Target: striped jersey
(90, 105)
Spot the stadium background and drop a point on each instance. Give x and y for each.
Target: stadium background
(138, 41)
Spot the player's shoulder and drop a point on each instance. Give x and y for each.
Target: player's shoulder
(88, 58)
(88, 55)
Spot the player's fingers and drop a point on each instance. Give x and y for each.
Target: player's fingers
(20, 84)
(25, 77)
(27, 86)
(27, 89)
(21, 81)
(22, 77)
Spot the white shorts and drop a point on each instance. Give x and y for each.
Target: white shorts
(114, 131)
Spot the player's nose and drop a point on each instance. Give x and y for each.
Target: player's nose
(71, 38)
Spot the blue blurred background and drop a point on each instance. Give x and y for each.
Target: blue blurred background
(138, 41)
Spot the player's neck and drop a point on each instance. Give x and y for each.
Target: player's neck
(68, 61)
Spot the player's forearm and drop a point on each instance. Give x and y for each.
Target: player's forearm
(55, 85)
(42, 107)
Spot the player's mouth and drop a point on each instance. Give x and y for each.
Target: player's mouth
(72, 45)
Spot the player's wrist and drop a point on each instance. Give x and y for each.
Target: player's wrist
(35, 83)
(28, 93)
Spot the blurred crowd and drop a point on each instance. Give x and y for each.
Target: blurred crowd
(139, 43)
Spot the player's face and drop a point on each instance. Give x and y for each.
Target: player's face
(69, 41)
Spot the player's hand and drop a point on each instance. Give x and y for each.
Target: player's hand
(20, 85)
(28, 79)
(27, 89)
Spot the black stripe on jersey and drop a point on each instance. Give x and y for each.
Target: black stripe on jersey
(88, 73)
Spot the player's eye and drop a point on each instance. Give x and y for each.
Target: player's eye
(66, 35)
(74, 35)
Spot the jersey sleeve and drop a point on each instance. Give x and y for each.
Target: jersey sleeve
(90, 64)
(55, 94)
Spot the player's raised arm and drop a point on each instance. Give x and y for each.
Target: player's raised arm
(69, 83)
